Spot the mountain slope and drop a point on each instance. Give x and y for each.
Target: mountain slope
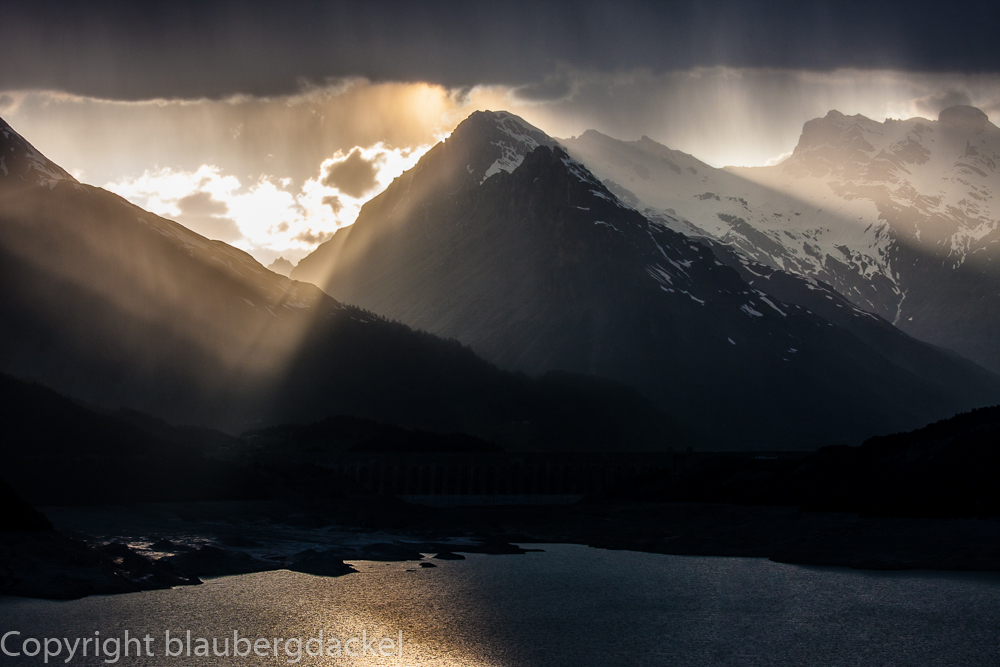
(539, 266)
(899, 217)
(111, 304)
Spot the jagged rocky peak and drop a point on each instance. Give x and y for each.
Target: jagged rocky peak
(834, 127)
(965, 117)
(20, 162)
(281, 266)
(833, 140)
(494, 141)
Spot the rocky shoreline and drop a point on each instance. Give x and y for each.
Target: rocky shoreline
(122, 549)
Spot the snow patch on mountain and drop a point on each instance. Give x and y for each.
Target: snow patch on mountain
(517, 138)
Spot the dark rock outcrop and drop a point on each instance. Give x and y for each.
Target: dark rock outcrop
(211, 561)
(47, 564)
(320, 563)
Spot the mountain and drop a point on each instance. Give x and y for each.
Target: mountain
(114, 306)
(499, 239)
(899, 217)
(281, 266)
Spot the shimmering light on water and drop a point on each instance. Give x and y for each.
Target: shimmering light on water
(570, 606)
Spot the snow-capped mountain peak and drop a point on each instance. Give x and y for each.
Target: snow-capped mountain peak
(497, 141)
(872, 208)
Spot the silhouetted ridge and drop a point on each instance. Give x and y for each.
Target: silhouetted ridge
(56, 452)
(946, 469)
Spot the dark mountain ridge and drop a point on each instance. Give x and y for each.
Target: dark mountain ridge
(944, 470)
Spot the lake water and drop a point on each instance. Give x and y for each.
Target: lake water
(571, 605)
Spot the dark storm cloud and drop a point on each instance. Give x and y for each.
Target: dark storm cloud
(354, 176)
(552, 88)
(140, 50)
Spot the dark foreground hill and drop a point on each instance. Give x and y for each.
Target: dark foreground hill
(946, 469)
(56, 452)
(16, 514)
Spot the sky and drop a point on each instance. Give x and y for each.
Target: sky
(268, 125)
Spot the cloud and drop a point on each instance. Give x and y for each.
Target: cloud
(269, 216)
(192, 49)
(720, 115)
(992, 109)
(201, 203)
(554, 87)
(196, 199)
(333, 202)
(213, 227)
(353, 175)
(931, 105)
(777, 159)
(743, 117)
(8, 104)
(311, 238)
(286, 136)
